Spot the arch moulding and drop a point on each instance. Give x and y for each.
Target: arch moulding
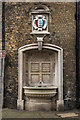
(59, 50)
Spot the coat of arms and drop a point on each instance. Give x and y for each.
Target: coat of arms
(39, 22)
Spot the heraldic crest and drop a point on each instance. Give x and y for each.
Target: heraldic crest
(40, 22)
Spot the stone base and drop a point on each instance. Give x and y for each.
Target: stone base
(39, 105)
(20, 104)
(40, 98)
(60, 105)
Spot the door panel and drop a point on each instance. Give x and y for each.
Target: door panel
(35, 67)
(40, 67)
(46, 78)
(46, 67)
(35, 78)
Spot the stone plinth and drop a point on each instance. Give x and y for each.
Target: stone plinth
(40, 98)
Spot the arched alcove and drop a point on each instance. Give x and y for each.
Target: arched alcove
(44, 66)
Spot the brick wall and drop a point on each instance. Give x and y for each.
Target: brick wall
(62, 26)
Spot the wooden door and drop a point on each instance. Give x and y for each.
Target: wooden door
(41, 67)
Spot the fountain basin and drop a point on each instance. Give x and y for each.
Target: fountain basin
(40, 91)
(40, 98)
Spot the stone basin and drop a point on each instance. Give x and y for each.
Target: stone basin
(40, 98)
(42, 91)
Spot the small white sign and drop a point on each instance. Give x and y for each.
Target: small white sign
(2, 53)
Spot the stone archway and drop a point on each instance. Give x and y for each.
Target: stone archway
(59, 72)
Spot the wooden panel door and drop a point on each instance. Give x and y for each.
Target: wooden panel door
(41, 68)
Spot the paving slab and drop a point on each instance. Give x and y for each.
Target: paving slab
(13, 113)
(65, 115)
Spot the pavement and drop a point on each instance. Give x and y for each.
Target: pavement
(14, 113)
